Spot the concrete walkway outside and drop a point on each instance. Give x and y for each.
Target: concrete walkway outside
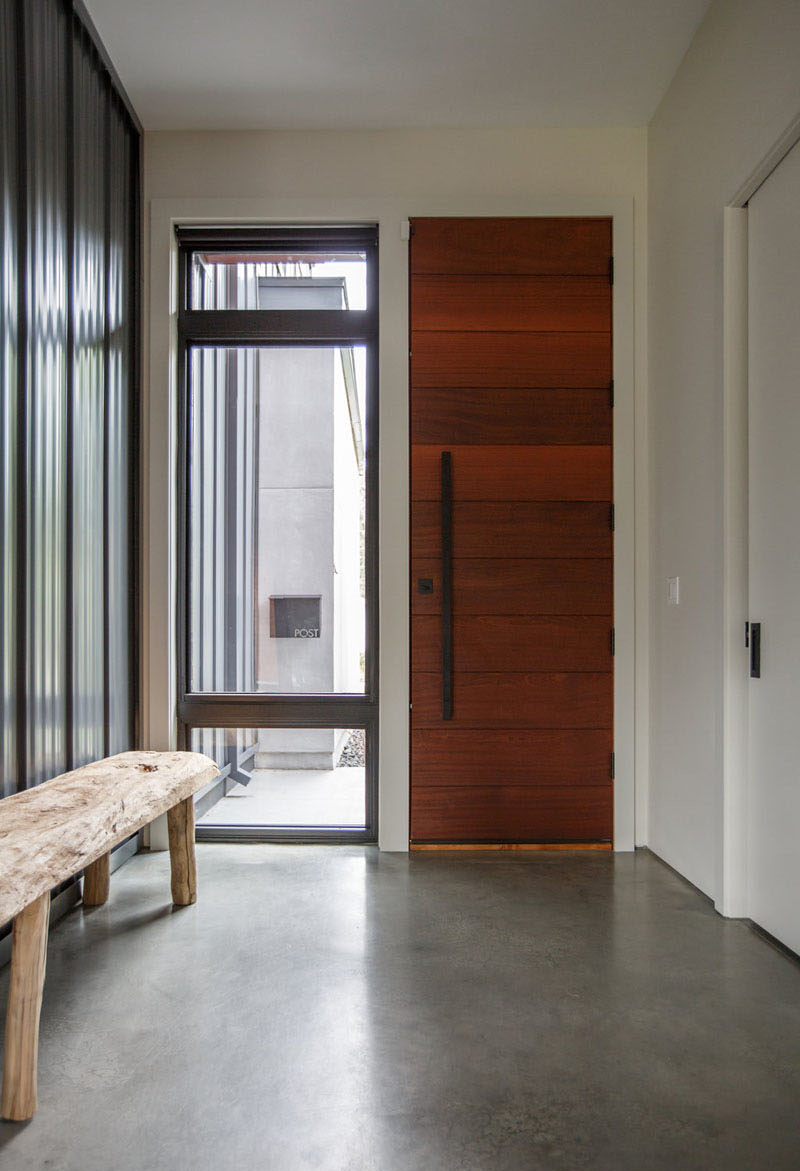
(335, 1009)
(294, 797)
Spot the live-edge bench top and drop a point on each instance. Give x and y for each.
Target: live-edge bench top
(52, 831)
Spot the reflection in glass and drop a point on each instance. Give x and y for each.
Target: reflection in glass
(276, 519)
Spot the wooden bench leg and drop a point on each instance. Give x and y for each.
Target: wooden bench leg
(28, 956)
(97, 882)
(180, 828)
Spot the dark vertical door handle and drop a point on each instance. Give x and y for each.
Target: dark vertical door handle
(755, 650)
(447, 586)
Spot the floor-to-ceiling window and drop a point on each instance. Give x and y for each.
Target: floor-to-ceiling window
(278, 496)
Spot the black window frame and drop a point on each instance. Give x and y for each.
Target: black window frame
(221, 328)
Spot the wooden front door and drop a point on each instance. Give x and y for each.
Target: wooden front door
(511, 531)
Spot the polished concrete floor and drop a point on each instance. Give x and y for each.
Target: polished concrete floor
(337, 1010)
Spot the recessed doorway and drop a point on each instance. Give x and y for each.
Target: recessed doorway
(512, 530)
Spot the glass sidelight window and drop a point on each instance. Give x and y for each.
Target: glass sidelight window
(285, 780)
(276, 519)
(278, 501)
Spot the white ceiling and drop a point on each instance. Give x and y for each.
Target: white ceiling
(352, 64)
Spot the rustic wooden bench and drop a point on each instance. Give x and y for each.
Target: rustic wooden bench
(49, 834)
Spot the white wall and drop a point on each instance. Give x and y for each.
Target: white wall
(395, 162)
(386, 176)
(734, 95)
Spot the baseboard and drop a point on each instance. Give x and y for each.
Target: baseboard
(773, 941)
(748, 922)
(214, 793)
(124, 851)
(663, 862)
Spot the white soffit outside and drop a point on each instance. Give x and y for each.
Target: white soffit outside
(373, 64)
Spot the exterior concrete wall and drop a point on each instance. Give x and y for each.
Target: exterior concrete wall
(308, 534)
(298, 748)
(295, 512)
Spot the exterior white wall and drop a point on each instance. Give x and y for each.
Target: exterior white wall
(386, 176)
(736, 92)
(308, 540)
(348, 630)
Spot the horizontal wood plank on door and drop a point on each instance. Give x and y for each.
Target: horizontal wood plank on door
(542, 246)
(513, 813)
(510, 359)
(517, 586)
(541, 699)
(514, 643)
(483, 303)
(514, 472)
(497, 758)
(512, 529)
(511, 415)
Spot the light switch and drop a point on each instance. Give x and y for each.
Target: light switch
(673, 591)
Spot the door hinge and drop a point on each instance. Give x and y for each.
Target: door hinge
(611, 517)
(611, 391)
(613, 766)
(613, 641)
(611, 270)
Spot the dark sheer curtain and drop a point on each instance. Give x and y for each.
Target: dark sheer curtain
(44, 405)
(69, 168)
(9, 365)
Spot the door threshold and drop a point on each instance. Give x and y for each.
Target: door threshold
(415, 846)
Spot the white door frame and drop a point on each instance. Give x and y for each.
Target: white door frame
(732, 878)
(159, 462)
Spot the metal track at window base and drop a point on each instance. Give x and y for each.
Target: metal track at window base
(286, 835)
(260, 328)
